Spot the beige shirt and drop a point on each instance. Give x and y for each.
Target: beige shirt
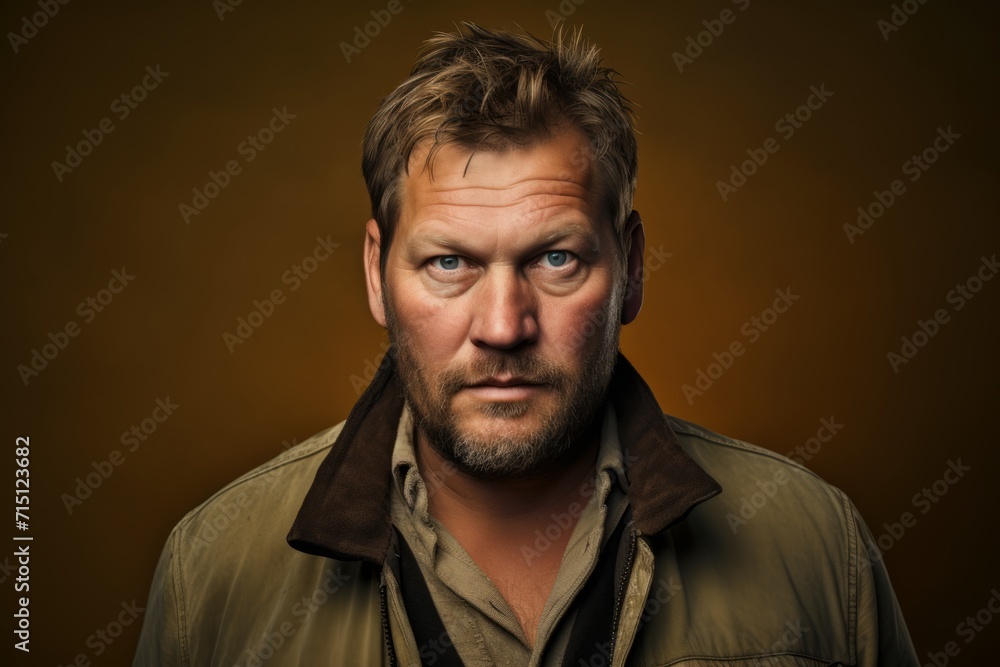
(477, 618)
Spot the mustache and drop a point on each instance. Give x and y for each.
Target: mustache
(527, 366)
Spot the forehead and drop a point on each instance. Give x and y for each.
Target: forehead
(554, 176)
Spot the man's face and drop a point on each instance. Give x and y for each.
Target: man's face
(502, 296)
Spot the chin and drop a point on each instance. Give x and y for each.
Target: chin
(496, 430)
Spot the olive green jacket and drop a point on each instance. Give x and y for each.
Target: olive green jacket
(736, 556)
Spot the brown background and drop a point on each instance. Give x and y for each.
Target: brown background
(162, 336)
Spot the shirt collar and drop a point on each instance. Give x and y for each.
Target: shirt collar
(346, 511)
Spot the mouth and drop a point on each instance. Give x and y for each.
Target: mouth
(506, 388)
(506, 381)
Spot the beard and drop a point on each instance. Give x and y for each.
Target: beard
(524, 437)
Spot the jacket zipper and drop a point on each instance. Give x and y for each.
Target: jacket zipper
(386, 633)
(620, 595)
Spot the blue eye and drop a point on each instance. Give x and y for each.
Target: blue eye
(557, 257)
(447, 262)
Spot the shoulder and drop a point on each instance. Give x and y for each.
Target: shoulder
(753, 477)
(277, 485)
(258, 508)
(227, 578)
(774, 566)
(775, 520)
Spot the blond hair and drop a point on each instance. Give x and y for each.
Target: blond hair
(492, 90)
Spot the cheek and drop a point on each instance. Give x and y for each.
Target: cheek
(578, 327)
(434, 332)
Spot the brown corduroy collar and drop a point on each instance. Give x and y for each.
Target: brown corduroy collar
(345, 514)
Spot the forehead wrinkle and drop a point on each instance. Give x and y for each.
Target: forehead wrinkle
(553, 215)
(491, 217)
(516, 204)
(486, 196)
(539, 195)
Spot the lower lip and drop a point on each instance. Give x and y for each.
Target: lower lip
(518, 392)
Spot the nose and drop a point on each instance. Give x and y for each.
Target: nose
(505, 310)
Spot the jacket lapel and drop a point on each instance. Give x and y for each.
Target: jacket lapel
(665, 484)
(345, 514)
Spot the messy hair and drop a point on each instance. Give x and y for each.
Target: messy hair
(494, 90)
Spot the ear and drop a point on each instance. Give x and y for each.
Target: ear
(373, 271)
(634, 269)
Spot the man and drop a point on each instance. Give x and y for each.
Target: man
(507, 491)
